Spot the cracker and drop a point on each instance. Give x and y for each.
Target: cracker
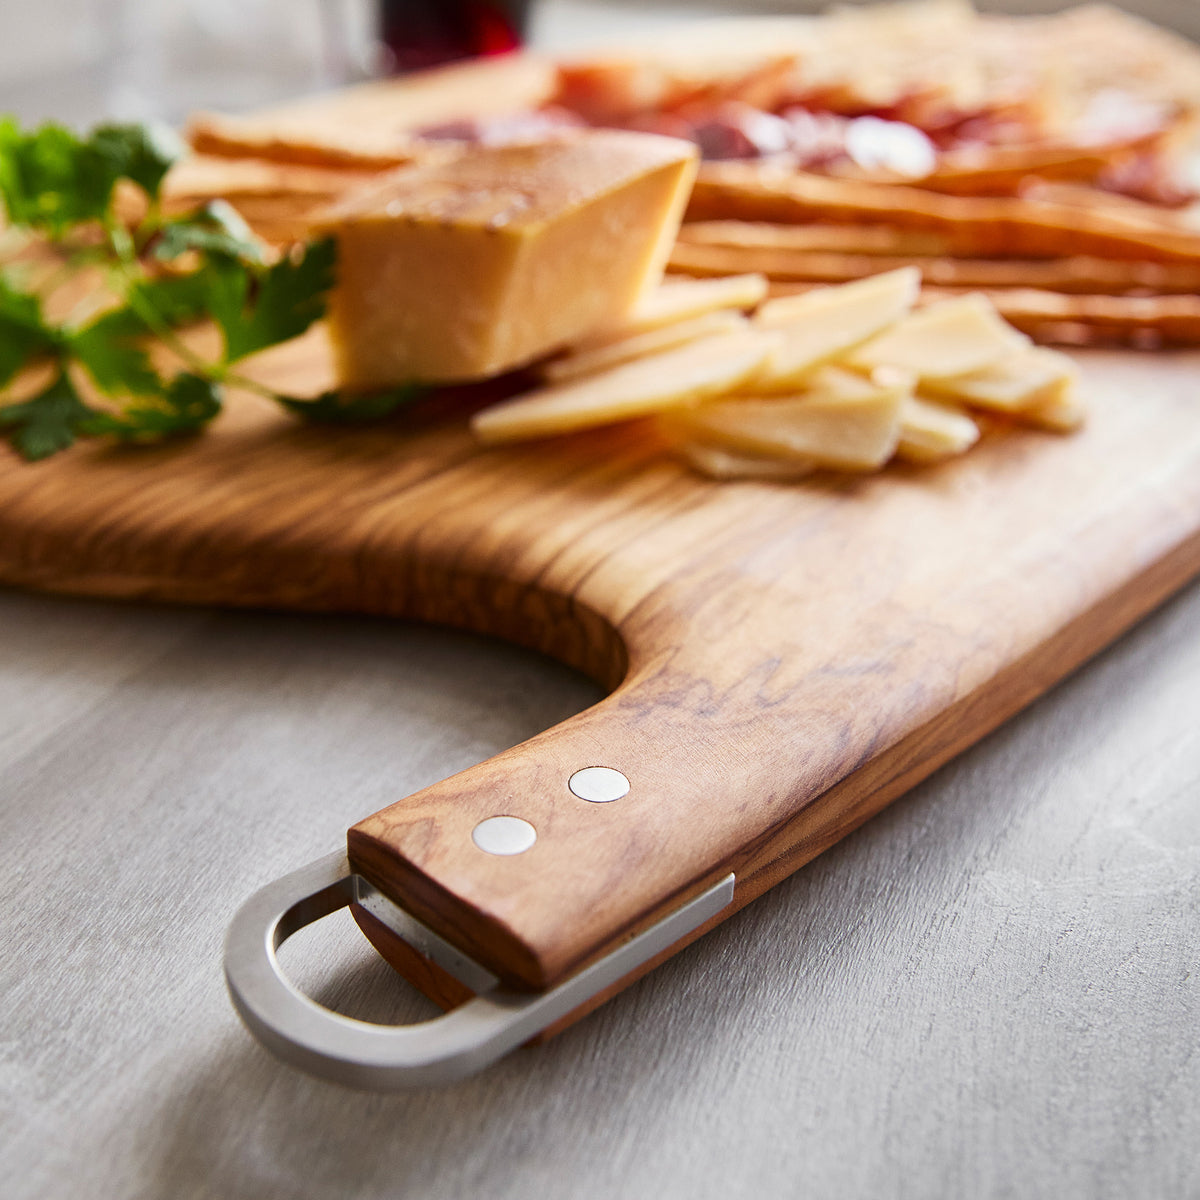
(302, 143)
(1143, 321)
(373, 126)
(201, 176)
(977, 226)
(1002, 170)
(1082, 273)
(832, 239)
(279, 201)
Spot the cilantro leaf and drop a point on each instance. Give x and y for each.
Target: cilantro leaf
(142, 153)
(51, 180)
(337, 408)
(188, 404)
(23, 332)
(260, 308)
(216, 229)
(49, 422)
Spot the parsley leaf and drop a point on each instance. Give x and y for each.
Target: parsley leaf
(109, 349)
(23, 332)
(51, 180)
(170, 300)
(110, 346)
(336, 408)
(49, 422)
(186, 406)
(260, 308)
(215, 229)
(142, 153)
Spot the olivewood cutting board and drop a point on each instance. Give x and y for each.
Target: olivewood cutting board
(786, 659)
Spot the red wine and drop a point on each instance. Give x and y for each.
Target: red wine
(423, 33)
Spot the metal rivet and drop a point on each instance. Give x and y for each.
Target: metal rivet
(504, 835)
(599, 785)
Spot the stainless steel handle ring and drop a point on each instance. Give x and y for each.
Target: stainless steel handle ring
(446, 1048)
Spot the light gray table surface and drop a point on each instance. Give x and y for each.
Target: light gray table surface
(989, 991)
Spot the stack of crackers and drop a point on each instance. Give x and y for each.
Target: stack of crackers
(1048, 162)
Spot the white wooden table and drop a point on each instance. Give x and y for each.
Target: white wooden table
(991, 990)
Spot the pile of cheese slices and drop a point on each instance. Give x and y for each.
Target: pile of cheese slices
(844, 378)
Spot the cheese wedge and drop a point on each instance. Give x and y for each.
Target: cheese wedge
(951, 337)
(931, 432)
(1014, 383)
(719, 462)
(842, 421)
(826, 322)
(612, 354)
(710, 367)
(465, 269)
(682, 300)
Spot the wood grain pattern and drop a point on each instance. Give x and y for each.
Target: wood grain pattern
(786, 659)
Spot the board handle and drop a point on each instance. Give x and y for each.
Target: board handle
(544, 858)
(442, 1050)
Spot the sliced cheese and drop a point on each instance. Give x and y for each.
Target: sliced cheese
(842, 420)
(719, 462)
(930, 432)
(1016, 382)
(1062, 410)
(709, 367)
(469, 268)
(681, 300)
(612, 354)
(951, 337)
(826, 322)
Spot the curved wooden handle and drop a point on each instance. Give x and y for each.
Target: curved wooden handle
(597, 871)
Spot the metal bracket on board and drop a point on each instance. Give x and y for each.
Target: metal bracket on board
(448, 1047)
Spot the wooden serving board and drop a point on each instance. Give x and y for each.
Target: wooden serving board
(784, 659)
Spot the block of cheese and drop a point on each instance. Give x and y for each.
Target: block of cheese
(463, 270)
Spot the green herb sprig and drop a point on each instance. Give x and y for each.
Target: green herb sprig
(163, 273)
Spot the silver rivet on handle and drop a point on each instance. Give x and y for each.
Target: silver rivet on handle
(504, 835)
(598, 785)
